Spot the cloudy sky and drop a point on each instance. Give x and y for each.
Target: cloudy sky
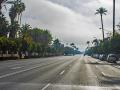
(69, 20)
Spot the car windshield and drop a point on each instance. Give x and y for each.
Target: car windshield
(59, 44)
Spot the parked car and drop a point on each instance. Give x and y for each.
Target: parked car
(112, 58)
(103, 57)
(95, 56)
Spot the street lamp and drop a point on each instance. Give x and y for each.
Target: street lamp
(113, 18)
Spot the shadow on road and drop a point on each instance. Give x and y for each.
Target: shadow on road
(99, 63)
(111, 81)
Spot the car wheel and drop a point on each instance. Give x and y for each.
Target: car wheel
(114, 62)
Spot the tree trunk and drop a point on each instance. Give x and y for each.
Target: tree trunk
(20, 18)
(102, 27)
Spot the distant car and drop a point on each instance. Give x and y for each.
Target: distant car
(95, 56)
(112, 58)
(100, 56)
(103, 57)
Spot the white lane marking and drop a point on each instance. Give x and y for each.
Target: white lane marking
(106, 75)
(45, 87)
(17, 72)
(62, 72)
(16, 67)
(96, 66)
(103, 74)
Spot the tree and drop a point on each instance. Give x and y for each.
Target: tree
(96, 42)
(72, 44)
(15, 11)
(21, 9)
(17, 8)
(24, 30)
(13, 28)
(101, 11)
(88, 43)
(1, 2)
(3, 26)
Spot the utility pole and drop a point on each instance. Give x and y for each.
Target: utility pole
(113, 18)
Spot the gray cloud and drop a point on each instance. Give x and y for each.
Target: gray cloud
(69, 20)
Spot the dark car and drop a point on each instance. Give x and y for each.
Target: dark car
(112, 58)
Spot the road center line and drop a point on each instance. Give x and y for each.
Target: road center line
(16, 67)
(45, 87)
(62, 72)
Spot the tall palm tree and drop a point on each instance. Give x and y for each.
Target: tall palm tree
(101, 11)
(88, 43)
(17, 8)
(1, 2)
(12, 14)
(72, 44)
(21, 9)
(15, 13)
(113, 18)
(96, 42)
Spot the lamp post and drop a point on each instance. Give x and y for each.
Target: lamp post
(113, 18)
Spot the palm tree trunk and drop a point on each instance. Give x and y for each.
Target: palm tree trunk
(20, 18)
(102, 27)
(1, 1)
(113, 18)
(0, 9)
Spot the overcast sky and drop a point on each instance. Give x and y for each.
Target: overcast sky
(70, 20)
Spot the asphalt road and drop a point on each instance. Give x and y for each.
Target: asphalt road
(59, 73)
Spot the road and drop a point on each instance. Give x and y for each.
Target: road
(59, 73)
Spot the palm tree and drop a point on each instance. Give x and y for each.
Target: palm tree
(113, 18)
(17, 8)
(72, 44)
(88, 43)
(15, 12)
(96, 42)
(1, 2)
(101, 11)
(12, 14)
(21, 9)
(13, 29)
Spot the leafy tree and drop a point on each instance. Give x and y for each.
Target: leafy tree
(3, 26)
(1, 3)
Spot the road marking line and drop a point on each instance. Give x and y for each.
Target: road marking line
(45, 87)
(103, 74)
(106, 75)
(96, 66)
(16, 67)
(17, 72)
(62, 72)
